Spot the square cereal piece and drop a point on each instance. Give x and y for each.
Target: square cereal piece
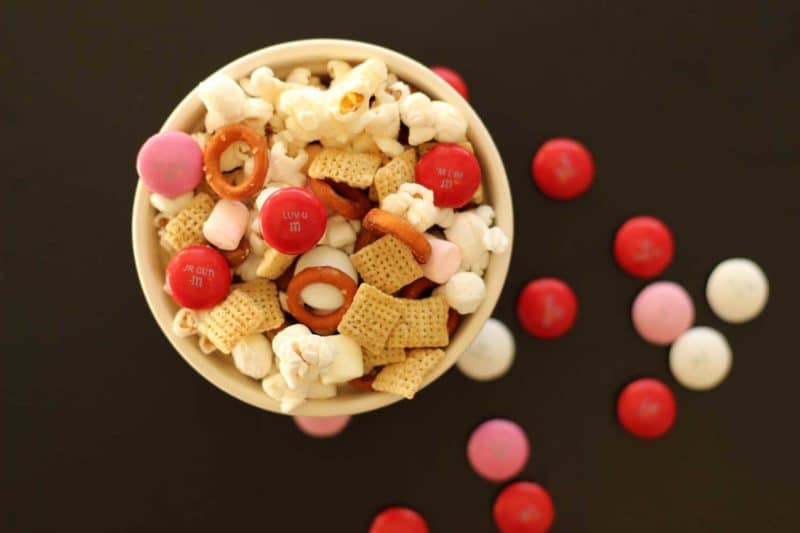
(384, 357)
(406, 378)
(237, 316)
(353, 168)
(387, 264)
(423, 324)
(371, 317)
(186, 229)
(389, 177)
(410, 157)
(274, 264)
(265, 295)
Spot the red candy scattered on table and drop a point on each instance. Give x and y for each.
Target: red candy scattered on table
(563, 169)
(644, 247)
(523, 507)
(198, 277)
(547, 308)
(454, 79)
(399, 520)
(293, 220)
(646, 408)
(452, 172)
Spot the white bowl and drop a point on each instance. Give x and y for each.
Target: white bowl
(187, 116)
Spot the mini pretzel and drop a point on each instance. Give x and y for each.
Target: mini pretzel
(347, 201)
(384, 222)
(364, 382)
(365, 238)
(221, 140)
(333, 276)
(237, 256)
(415, 289)
(453, 320)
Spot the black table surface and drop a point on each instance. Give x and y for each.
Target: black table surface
(691, 111)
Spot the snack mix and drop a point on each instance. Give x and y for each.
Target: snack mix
(327, 232)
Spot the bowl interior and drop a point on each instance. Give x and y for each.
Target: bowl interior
(187, 116)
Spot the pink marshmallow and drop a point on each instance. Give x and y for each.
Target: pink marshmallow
(226, 225)
(444, 262)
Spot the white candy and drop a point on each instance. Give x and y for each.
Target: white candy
(285, 169)
(348, 364)
(253, 355)
(262, 197)
(700, 359)
(338, 233)
(171, 206)
(247, 270)
(464, 292)
(323, 296)
(737, 290)
(491, 353)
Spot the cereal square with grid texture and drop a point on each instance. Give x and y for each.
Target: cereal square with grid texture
(390, 176)
(353, 168)
(371, 317)
(186, 229)
(423, 324)
(406, 378)
(237, 316)
(265, 295)
(387, 264)
(384, 357)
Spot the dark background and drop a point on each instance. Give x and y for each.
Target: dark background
(691, 111)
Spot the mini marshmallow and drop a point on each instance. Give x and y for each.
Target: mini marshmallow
(444, 262)
(171, 206)
(252, 356)
(338, 233)
(348, 364)
(464, 292)
(249, 267)
(226, 224)
(262, 197)
(285, 169)
(323, 296)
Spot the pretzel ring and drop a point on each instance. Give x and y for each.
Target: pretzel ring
(333, 276)
(453, 320)
(384, 222)
(221, 140)
(365, 238)
(416, 288)
(347, 201)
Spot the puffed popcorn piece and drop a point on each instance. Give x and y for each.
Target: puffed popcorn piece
(257, 244)
(383, 124)
(352, 91)
(495, 240)
(171, 206)
(263, 84)
(464, 292)
(205, 345)
(234, 156)
(428, 120)
(471, 234)
(348, 364)
(299, 75)
(339, 233)
(224, 100)
(450, 124)
(414, 202)
(185, 322)
(252, 356)
(276, 388)
(226, 224)
(285, 169)
(337, 69)
(486, 213)
(302, 355)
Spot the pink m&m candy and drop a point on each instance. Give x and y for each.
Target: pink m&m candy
(523, 507)
(322, 426)
(454, 79)
(170, 163)
(451, 172)
(646, 408)
(563, 169)
(547, 308)
(662, 312)
(498, 449)
(293, 220)
(644, 247)
(198, 277)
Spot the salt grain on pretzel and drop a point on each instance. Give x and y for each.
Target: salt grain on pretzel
(354, 169)
(332, 276)
(223, 138)
(387, 264)
(406, 378)
(186, 229)
(383, 222)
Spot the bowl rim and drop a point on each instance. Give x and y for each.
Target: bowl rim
(149, 267)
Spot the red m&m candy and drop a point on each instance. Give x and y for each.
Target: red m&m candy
(547, 308)
(451, 172)
(293, 220)
(523, 507)
(644, 247)
(454, 79)
(646, 408)
(563, 169)
(399, 520)
(198, 277)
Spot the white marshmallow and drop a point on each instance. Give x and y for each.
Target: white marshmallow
(253, 356)
(247, 270)
(263, 195)
(464, 292)
(349, 361)
(171, 206)
(338, 232)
